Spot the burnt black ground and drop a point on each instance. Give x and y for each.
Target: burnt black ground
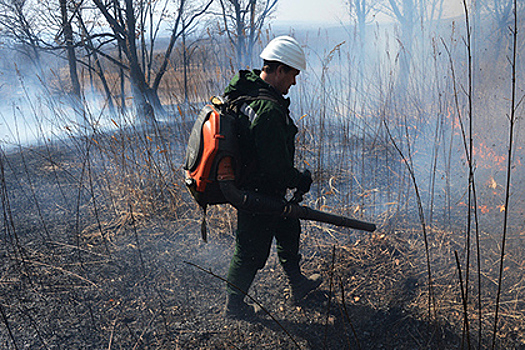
(81, 272)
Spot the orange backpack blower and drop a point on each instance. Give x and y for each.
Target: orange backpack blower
(212, 138)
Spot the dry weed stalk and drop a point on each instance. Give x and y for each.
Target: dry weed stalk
(472, 198)
(329, 304)
(410, 167)
(465, 301)
(514, 104)
(347, 315)
(8, 326)
(468, 149)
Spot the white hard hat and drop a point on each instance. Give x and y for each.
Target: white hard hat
(287, 50)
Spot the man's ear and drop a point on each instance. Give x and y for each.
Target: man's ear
(280, 69)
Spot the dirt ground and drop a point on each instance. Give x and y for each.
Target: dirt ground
(81, 272)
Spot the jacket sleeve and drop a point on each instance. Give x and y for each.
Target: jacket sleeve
(274, 145)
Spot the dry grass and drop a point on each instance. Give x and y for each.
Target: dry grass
(110, 272)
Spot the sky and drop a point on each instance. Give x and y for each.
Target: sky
(333, 11)
(314, 11)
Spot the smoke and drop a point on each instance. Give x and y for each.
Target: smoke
(36, 106)
(350, 94)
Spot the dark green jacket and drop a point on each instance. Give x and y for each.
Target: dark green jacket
(271, 143)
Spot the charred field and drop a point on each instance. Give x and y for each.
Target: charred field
(102, 250)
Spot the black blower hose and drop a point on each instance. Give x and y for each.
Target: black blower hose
(255, 202)
(251, 201)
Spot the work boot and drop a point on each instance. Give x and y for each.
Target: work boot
(301, 286)
(237, 309)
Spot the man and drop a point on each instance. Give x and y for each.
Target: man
(268, 158)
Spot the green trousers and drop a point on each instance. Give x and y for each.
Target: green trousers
(253, 241)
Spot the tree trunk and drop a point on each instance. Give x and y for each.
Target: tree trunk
(405, 59)
(154, 100)
(71, 56)
(137, 78)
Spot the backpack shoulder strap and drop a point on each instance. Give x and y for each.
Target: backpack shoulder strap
(260, 94)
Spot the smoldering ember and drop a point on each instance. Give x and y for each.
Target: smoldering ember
(408, 120)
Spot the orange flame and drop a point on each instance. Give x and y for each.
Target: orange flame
(484, 209)
(489, 158)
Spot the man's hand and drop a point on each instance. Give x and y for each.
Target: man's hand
(305, 181)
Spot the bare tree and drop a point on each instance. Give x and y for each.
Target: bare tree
(362, 11)
(500, 11)
(405, 12)
(130, 21)
(96, 66)
(35, 27)
(64, 32)
(18, 17)
(501, 14)
(243, 21)
(408, 14)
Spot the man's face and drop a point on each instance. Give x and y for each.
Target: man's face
(285, 79)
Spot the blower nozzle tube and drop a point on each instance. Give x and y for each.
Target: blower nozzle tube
(306, 213)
